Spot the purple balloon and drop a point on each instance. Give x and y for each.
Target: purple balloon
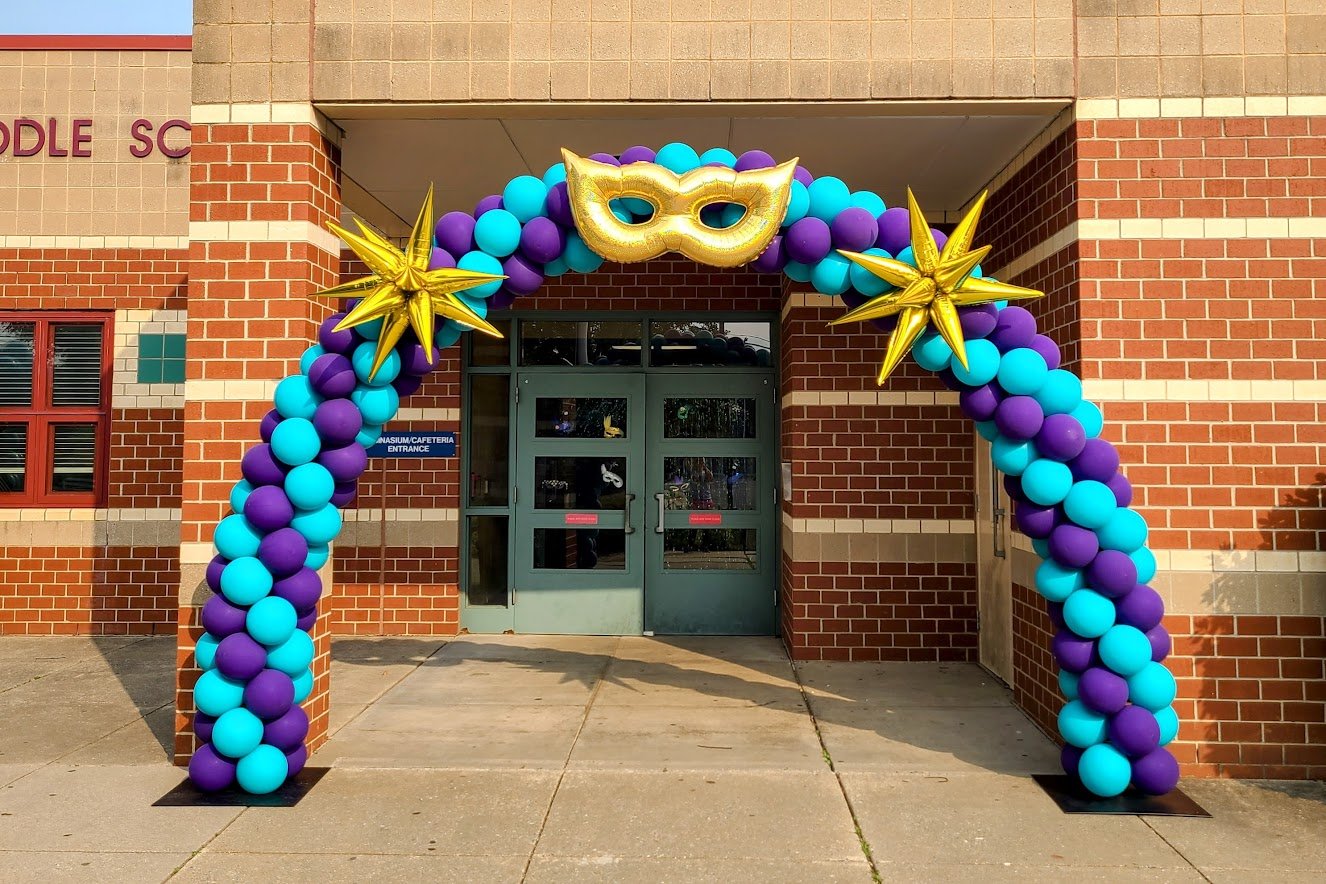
(407, 385)
(209, 770)
(978, 321)
(502, 299)
(301, 589)
(754, 159)
(455, 232)
(773, 258)
(1072, 652)
(541, 240)
(638, 154)
(941, 238)
(607, 158)
(1112, 573)
(283, 552)
(270, 694)
(345, 463)
(895, 231)
(1102, 691)
(1134, 731)
(1072, 546)
(239, 657)
(268, 508)
(344, 493)
(559, 205)
(1013, 488)
(288, 731)
(1099, 460)
(808, 240)
(214, 569)
(945, 375)
(1069, 758)
(337, 421)
(802, 174)
(1048, 350)
(202, 726)
(441, 259)
(1055, 611)
(1142, 608)
(980, 403)
(1122, 488)
(260, 467)
(854, 229)
(1014, 328)
(221, 618)
(522, 278)
(414, 359)
(342, 342)
(1161, 643)
(1061, 437)
(295, 759)
(307, 619)
(1036, 521)
(1019, 417)
(1156, 772)
(268, 425)
(487, 204)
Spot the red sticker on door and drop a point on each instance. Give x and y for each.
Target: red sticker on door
(582, 518)
(706, 518)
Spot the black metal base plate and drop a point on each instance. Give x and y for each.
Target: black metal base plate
(1072, 797)
(186, 794)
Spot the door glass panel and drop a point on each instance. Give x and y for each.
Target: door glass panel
(489, 426)
(710, 344)
(601, 342)
(709, 418)
(585, 417)
(709, 549)
(579, 483)
(709, 483)
(73, 453)
(580, 549)
(13, 456)
(16, 355)
(486, 350)
(487, 576)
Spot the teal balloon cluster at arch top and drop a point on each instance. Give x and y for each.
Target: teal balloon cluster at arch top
(1070, 497)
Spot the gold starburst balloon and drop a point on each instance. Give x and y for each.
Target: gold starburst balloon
(930, 292)
(402, 291)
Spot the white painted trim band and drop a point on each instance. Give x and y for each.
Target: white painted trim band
(878, 526)
(1114, 390)
(265, 231)
(112, 514)
(451, 415)
(27, 241)
(229, 391)
(1221, 106)
(401, 515)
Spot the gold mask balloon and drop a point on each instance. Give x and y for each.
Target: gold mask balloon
(677, 200)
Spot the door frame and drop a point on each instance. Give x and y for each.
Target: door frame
(994, 568)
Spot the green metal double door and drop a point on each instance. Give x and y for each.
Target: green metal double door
(645, 504)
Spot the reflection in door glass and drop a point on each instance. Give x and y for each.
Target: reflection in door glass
(709, 549)
(580, 549)
(579, 483)
(583, 417)
(601, 342)
(485, 350)
(490, 440)
(708, 418)
(709, 483)
(487, 574)
(710, 343)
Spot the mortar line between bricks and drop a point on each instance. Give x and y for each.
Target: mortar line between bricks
(1146, 822)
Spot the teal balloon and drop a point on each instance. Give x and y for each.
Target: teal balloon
(797, 271)
(1081, 727)
(271, 621)
(525, 197)
(1068, 684)
(368, 435)
(481, 262)
(637, 206)
(262, 771)
(931, 351)
(718, 155)
(216, 695)
(447, 334)
(987, 430)
(868, 283)
(798, 204)
(1104, 770)
(1012, 457)
(1060, 393)
(303, 685)
(474, 302)
(555, 267)
(295, 441)
(362, 360)
(579, 257)
(871, 202)
(677, 157)
(1153, 688)
(293, 655)
(1088, 613)
(1125, 531)
(240, 493)
(830, 274)
(982, 363)
(1089, 416)
(235, 538)
(309, 486)
(237, 733)
(204, 652)
(319, 526)
(828, 197)
(318, 554)
(1125, 649)
(295, 397)
(311, 354)
(377, 404)
(1090, 504)
(906, 256)
(732, 213)
(554, 175)
(1041, 547)
(497, 232)
(1046, 481)
(245, 581)
(1145, 560)
(1022, 372)
(1168, 720)
(372, 330)
(1055, 582)
(619, 211)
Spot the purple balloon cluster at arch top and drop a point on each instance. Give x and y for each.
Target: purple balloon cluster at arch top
(1070, 497)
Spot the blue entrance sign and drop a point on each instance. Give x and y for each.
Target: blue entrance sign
(415, 443)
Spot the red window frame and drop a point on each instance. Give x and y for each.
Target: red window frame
(41, 415)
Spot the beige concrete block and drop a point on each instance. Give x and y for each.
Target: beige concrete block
(370, 42)
(692, 10)
(932, 39)
(450, 80)
(650, 41)
(290, 42)
(884, 10)
(410, 81)
(490, 42)
(211, 44)
(1007, 9)
(650, 10)
(252, 11)
(409, 42)
(835, 547)
(1265, 74)
(931, 79)
(331, 79)
(849, 41)
(370, 79)
(570, 42)
(770, 78)
(570, 10)
(530, 81)
(862, 548)
(1098, 37)
(1306, 75)
(414, 11)
(1139, 78)
(1098, 78)
(1053, 8)
(1054, 78)
(690, 80)
(1014, 37)
(690, 40)
(219, 11)
(771, 39)
(1139, 36)
(729, 80)
(890, 79)
(1013, 77)
(649, 80)
(1265, 34)
(810, 79)
(849, 79)
(609, 41)
(812, 40)
(489, 10)
(290, 81)
(938, 10)
(1139, 7)
(569, 80)
(850, 10)
(250, 43)
(729, 40)
(891, 40)
(1054, 38)
(771, 10)
(1181, 76)
(531, 41)
(610, 10)
(1222, 75)
(250, 82)
(490, 80)
(1263, 7)
(973, 77)
(1222, 34)
(1306, 34)
(1097, 8)
(610, 80)
(973, 38)
(1180, 35)
(450, 41)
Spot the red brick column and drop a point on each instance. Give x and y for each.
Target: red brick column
(260, 197)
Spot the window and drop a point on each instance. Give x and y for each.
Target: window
(160, 359)
(54, 408)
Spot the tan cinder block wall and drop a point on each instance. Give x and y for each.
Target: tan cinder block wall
(110, 193)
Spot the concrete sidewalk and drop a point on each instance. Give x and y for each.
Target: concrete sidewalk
(599, 759)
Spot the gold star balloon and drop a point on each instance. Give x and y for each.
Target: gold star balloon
(930, 292)
(402, 291)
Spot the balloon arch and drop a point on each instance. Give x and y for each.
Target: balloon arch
(725, 210)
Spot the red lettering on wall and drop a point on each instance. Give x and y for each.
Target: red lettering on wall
(19, 126)
(4, 138)
(53, 148)
(176, 152)
(81, 137)
(144, 146)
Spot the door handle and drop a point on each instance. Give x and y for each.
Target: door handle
(662, 507)
(997, 527)
(627, 527)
